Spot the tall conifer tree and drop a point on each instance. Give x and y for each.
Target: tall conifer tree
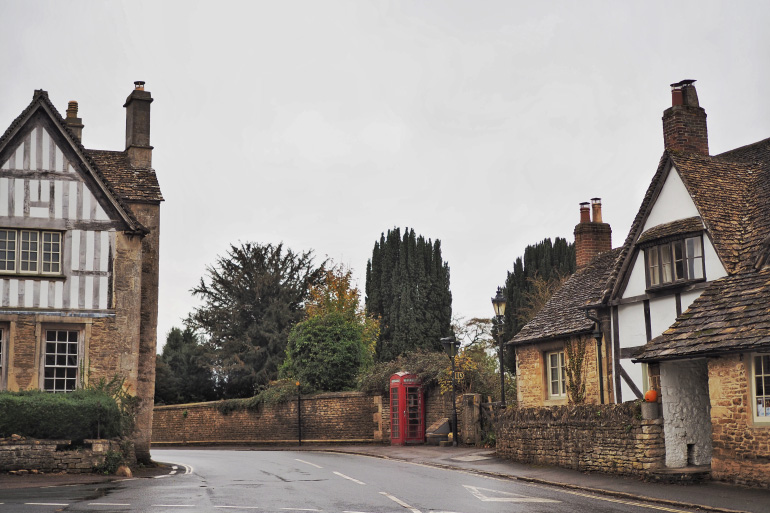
(407, 286)
(544, 260)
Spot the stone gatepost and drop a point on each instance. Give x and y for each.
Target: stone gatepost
(471, 419)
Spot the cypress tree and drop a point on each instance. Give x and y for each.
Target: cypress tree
(407, 286)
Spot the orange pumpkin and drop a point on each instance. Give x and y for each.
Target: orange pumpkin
(651, 396)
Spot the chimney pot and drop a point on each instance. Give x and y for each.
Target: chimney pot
(596, 207)
(72, 120)
(139, 85)
(585, 213)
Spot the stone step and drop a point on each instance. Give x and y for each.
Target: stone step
(683, 475)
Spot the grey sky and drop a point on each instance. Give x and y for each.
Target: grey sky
(322, 124)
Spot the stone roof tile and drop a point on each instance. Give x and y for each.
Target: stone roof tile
(564, 314)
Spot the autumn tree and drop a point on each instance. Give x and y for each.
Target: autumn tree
(328, 349)
(407, 287)
(252, 297)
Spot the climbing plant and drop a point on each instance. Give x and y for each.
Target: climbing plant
(575, 350)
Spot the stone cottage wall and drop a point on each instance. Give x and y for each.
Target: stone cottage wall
(687, 427)
(531, 373)
(604, 438)
(741, 448)
(27, 454)
(326, 418)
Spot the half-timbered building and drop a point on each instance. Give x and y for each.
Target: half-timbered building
(681, 307)
(79, 235)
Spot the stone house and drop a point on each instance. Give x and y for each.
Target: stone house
(682, 307)
(79, 240)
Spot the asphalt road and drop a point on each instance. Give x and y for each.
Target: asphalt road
(287, 481)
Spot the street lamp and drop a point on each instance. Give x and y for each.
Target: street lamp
(450, 347)
(498, 303)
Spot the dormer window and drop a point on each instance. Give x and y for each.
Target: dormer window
(675, 261)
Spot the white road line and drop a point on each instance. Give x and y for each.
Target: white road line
(298, 509)
(400, 502)
(161, 477)
(45, 504)
(174, 467)
(107, 504)
(349, 478)
(238, 507)
(506, 496)
(172, 506)
(308, 463)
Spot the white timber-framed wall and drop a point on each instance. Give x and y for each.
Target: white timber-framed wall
(673, 203)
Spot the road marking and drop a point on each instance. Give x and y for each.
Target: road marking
(161, 477)
(507, 496)
(308, 463)
(172, 506)
(349, 478)
(174, 467)
(400, 502)
(45, 504)
(107, 504)
(238, 507)
(299, 509)
(629, 503)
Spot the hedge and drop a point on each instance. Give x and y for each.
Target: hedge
(72, 416)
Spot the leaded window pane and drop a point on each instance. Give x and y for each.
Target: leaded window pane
(28, 251)
(676, 249)
(762, 385)
(653, 266)
(61, 360)
(694, 258)
(665, 257)
(7, 250)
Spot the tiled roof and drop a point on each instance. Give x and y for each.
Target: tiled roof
(563, 315)
(679, 227)
(130, 183)
(732, 314)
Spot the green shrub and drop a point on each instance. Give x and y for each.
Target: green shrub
(112, 460)
(73, 416)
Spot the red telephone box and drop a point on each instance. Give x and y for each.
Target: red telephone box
(407, 412)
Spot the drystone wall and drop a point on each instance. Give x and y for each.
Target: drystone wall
(325, 418)
(604, 438)
(19, 454)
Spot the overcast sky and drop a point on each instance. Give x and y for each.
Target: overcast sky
(322, 124)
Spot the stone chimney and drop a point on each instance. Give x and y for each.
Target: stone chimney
(592, 236)
(138, 126)
(684, 123)
(72, 120)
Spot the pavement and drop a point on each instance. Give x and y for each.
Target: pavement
(707, 496)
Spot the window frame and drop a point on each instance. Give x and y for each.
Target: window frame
(759, 419)
(80, 345)
(40, 253)
(561, 366)
(661, 255)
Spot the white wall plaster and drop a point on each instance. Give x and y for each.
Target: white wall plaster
(686, 412)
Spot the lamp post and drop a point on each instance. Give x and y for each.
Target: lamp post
(450, 347)
(498, 303)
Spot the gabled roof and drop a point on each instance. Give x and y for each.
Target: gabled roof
(114, 176)
(731, 191)
(731, 315)
(678, 227)
(564, 314)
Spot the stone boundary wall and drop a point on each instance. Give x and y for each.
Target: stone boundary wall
(604, 438)
(30, 455)
(326, 418)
